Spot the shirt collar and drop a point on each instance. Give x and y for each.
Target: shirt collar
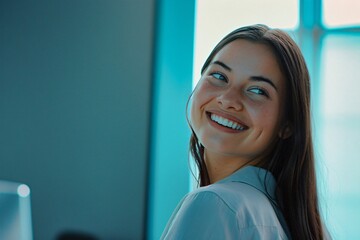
(256, 177)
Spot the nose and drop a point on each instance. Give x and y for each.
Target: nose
(230, 100)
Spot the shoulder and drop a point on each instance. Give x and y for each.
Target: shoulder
(240, 198)
(205, 203)
(223, 211)
(252, 208)
(202, 215)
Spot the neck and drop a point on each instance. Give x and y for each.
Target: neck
(222, 166)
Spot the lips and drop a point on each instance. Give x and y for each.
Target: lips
(226, 122)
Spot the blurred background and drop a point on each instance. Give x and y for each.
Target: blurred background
(93, 96)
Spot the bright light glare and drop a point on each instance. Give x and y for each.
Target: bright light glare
(215, 19)
(341, 13)
(341, 59)
(23, 190)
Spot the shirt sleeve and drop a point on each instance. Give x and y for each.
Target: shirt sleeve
(203, 215)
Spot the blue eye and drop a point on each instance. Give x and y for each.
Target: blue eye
(219, 76)
(259, 91)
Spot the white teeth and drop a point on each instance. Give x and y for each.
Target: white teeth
(226, 122)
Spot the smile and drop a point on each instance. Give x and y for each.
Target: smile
(226, 122)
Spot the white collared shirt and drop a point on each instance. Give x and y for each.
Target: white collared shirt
(240, 206)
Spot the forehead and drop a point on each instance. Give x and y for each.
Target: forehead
(249, 58)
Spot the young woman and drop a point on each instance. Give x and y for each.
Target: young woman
(251, 140)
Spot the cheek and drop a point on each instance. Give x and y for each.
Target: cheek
(265, 116)
(193, 113)
(195, 108)
(204, 92)
(201, 97)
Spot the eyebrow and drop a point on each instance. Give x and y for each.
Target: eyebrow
(222, 65)
(253, 78)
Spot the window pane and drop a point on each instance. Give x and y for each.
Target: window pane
(215, 18)
(340, 131)
(341, 13)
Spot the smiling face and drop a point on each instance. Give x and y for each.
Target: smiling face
(237, 106)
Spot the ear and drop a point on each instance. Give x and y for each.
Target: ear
(285, 131)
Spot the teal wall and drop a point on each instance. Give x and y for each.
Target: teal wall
(173, 59)
(75, 85)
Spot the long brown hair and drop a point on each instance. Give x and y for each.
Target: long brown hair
(291, 160)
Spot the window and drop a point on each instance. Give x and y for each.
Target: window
(340, 130)
(343, 13)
